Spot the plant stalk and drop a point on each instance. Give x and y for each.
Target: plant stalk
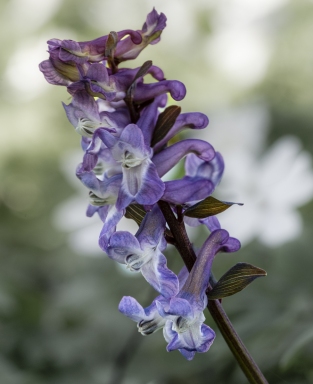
(240, 352)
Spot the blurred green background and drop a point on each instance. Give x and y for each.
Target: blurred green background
(249, 66)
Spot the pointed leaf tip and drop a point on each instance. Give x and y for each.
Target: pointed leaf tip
(208, 207)
(235, 280)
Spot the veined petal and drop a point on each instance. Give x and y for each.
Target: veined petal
(142, 184)
(109, 227)
(170, 156)
(121, 245)
(130, 307)
(212, 170)
(175, 307)
(52, 75)
(151, 230)
(132, 135)
(159, 276)
(198, 337)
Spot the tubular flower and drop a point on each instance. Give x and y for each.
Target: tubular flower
(184, 329)
(148, 319)
(143, 252)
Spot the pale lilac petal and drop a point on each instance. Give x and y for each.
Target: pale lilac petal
(142, 184)
(148, 319)
(109, 227)
(130, 307)
(152, 228)
(159, 276)
(132, 135)
(174, 307)
(121, 245)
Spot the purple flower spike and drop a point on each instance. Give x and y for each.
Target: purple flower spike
(143, 252)
(184, 329)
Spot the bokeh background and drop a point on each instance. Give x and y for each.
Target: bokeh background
(249, 67)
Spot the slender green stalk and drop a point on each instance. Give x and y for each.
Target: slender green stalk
(240, 352)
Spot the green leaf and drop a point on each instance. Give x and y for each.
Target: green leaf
(164, 123)
(235, 280)
(135, 212)
(208, 207)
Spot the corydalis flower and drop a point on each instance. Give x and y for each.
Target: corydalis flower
(140, 181)
(85, 114)
(184, 329)
(148, 319)
(143, 252)
(126, 44)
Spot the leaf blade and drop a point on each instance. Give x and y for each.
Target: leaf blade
(235, 280)
(210, 206)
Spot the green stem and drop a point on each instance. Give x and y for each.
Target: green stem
(240, 352)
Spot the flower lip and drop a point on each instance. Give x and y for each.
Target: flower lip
(130, 160)
(86, 127)
(182, 324)
(147, 327)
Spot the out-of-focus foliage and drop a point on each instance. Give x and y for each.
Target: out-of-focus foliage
(58, 309)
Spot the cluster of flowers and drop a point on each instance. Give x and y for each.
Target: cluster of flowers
(126, 153)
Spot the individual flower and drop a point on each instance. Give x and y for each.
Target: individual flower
(143, 252)
(151, 31)
(184, 329)
(103, 195)
(85, 114)
(148, 319)
(200, 181)
(140, 179)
